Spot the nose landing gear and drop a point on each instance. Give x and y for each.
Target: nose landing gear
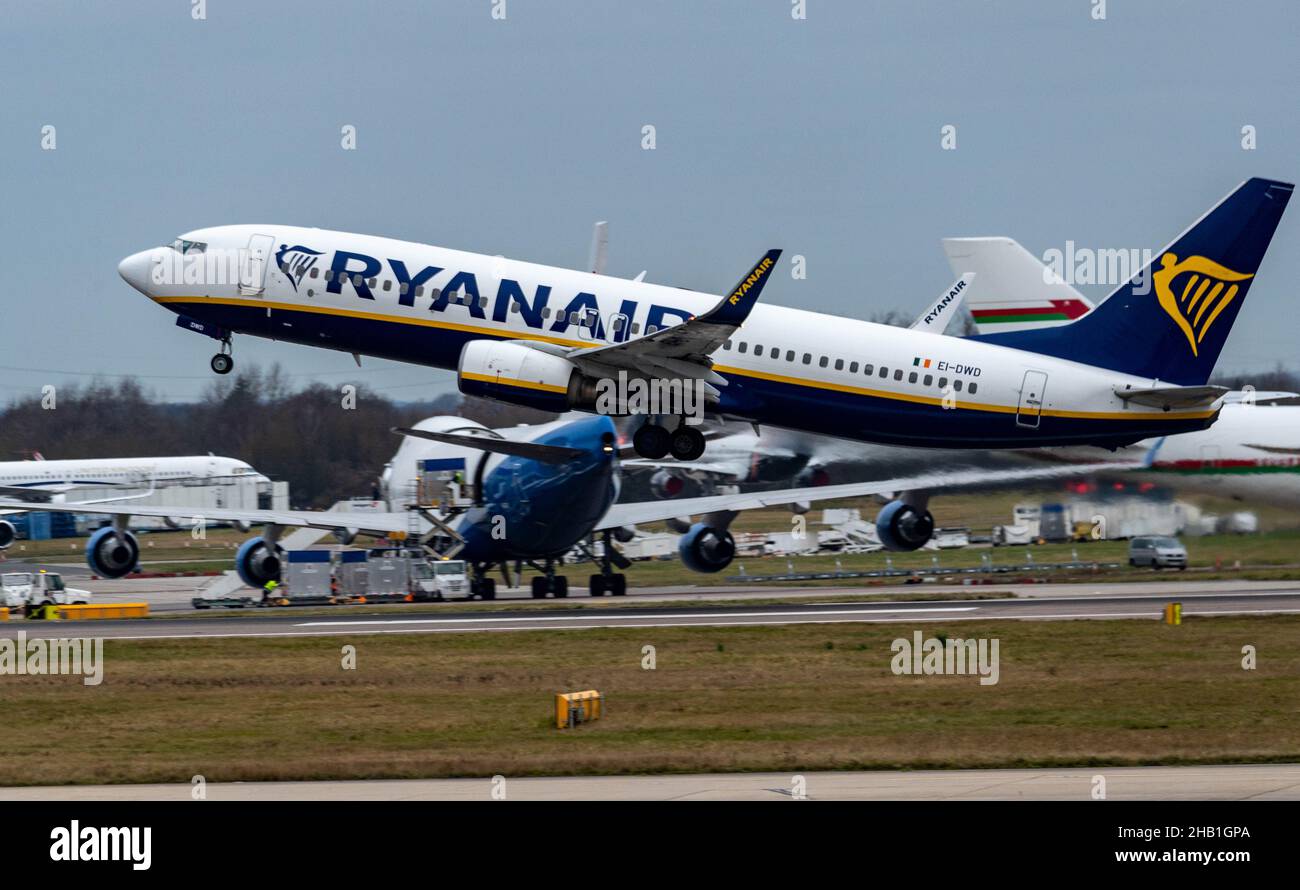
(223, 361)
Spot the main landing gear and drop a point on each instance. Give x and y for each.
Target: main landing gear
(556, 585)
(655, 442)
(223, 361)
(608, 581)
(481, 585)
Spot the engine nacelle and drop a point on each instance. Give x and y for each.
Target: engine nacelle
(521, 375)
(257, 563)
(667, 484)
(706, 549)
(112, 554)
(8, 534)
(903, 527)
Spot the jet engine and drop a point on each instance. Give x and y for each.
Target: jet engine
(902, 526)
(112, 554)
(667, 484)
(523, 375)
(8, 534)
(706, 549)
(257, 562)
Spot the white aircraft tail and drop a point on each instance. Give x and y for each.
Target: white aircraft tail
(1013, 290)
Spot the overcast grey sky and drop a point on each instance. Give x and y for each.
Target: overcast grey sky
(819, 136)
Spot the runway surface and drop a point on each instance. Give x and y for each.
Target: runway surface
(1097, 603)
(1244, 782)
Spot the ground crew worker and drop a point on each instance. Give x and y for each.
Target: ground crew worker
(268, 590)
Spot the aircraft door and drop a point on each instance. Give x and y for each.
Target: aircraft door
(1030, 409)
(252, 267)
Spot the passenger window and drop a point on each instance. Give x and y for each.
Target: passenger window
(315, 272)
(374, 281)
(546, 312)
(514, 307)
(824, 362)
(653, 328)
(884, 372)
(972, 388)
(839, 364)
(807, 358)
(482, 301)
(744, 347)
(853, 368)
(356, 281)
(419, 291)
(758, 350)
(943, 382)
(956, 385)
(898, 375)
(636, 327)
(929, 378)
(727, 346)
(789, 355)
(867, 369)
(911, 378)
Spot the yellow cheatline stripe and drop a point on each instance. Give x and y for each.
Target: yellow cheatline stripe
(740, 372)
(511, 381)
(371, 316)
(971, 406)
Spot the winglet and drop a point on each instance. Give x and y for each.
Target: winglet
(736, 306)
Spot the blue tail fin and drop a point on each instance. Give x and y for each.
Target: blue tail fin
(1171, 320)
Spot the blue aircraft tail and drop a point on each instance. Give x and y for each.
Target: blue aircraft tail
(1170, 321)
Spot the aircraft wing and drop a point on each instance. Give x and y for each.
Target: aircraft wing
(653, 511)
(683, 350)
(37, 495)
(1173, 396)
(377, 523)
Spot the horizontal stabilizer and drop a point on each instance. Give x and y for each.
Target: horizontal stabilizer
(1168, 397)
(547, 454)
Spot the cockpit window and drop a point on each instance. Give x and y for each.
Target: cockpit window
(180, 245)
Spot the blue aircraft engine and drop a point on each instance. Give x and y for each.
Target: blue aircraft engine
(258, 563)
(706, 549)
(112, 554)
(8, 534)
(904, 527)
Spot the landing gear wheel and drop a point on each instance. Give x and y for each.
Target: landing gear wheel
(618, 585)
(560, 587)
(651, 442)
(222, 363)
(539, 587)
(487, 588)
(597, 585)
(686, 443)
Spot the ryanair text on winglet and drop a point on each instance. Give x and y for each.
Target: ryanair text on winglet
(759, 271)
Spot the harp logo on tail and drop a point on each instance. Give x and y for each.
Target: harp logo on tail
(1194, 292)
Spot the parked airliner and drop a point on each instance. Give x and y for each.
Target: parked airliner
(54, 480)
(1134, 368)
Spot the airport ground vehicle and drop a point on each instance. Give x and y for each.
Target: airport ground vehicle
(1157, 552)
(407, 571)
(38, 589)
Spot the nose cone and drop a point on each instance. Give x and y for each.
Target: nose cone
(135, 270)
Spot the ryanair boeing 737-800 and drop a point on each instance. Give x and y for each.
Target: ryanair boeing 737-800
(1135, 367)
